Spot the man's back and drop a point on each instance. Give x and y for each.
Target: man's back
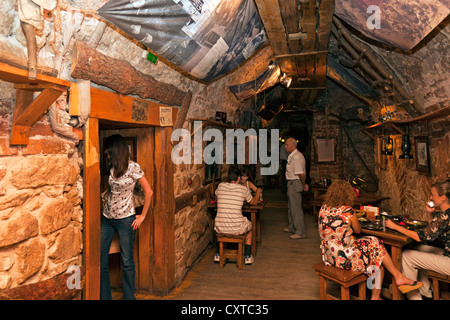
(230, 198)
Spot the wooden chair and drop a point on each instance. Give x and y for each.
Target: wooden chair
(345, 278)
(227, 253)
(437, 277)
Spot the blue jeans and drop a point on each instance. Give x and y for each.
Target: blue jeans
(126, 240)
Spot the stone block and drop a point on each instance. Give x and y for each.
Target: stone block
(21, 226)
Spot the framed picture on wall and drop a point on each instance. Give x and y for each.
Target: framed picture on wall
(325, 150)
(422, 154)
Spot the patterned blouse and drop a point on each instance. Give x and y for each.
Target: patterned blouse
(340, 248)
(438, 227)
(119, 203)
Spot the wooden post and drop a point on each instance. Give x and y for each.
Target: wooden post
(92, 209)
(164, 258)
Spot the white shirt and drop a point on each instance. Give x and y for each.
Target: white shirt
(230, 198)
(119, 203)
(295, 165)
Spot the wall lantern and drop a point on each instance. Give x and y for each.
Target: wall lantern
(388, 146)
(406, 148)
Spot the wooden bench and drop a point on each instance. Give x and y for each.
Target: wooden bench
(437, 277)
(345, 278)
(226, 253)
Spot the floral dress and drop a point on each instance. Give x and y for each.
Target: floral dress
(340, 248)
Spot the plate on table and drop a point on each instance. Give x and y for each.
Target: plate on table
(371, 226)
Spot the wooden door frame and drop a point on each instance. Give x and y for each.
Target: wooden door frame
(157, 245)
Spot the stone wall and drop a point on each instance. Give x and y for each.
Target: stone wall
(40, 202)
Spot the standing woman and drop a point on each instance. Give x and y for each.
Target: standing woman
(426, 257)
(119, 214)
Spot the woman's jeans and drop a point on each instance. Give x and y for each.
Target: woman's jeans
(126, 240)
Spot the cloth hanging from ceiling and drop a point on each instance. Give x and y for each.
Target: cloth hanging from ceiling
(205, 38)
(267, 79)
(350, 80)
(399, 23)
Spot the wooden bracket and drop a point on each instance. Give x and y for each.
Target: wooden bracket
(28, 110)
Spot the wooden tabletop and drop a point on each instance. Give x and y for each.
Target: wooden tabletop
(389, 236)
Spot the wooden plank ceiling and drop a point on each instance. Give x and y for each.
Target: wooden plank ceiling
(298, 31)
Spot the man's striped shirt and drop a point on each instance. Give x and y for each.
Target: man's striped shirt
(230, 198)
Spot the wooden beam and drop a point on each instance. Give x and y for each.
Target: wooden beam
(92, 210)
(121, 108)
(121, 76)
(28, 111)
(12, 74)
(269, 11)
(164, 247)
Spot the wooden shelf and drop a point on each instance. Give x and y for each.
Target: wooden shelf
(442, 112)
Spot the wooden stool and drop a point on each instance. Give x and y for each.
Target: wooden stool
(226, 253)
(436, 277)
(344, 277)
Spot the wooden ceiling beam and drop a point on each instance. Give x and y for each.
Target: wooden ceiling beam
(270, 14)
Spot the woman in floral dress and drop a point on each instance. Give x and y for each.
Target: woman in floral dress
(337, 223)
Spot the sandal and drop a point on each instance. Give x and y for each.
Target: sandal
(407, 288)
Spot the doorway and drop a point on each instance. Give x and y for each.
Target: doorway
(154, 247)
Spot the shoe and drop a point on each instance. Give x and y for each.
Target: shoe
(408, 288)
(217, 258)
(249, 259)
(287, 230)
(296, 236)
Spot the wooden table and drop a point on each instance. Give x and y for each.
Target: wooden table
(253, 211)
(396, 240)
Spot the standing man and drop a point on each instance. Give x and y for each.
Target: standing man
(295, 176)
(283, 161)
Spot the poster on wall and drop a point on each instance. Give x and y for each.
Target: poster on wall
(399, 23)
(205, 38)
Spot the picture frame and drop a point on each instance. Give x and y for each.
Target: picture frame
(325, 150)
(422, 154)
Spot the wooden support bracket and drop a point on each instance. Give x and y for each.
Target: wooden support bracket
(28, 110)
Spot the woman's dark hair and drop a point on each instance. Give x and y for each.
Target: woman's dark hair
(248, 171)
(117, 150)
(233, 173)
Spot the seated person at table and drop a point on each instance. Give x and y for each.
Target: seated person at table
(337, 223)
(245, 176)
(229, 219)
(426, 257)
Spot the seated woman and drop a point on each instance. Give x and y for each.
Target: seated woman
(337, 223)
(426, 257)
(245, 174)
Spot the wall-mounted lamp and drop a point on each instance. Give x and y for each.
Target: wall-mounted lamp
(388, 146)
(285, 80)
(406, 148)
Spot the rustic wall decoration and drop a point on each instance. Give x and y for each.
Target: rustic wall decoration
(422, 154)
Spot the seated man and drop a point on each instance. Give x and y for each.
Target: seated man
(229, 220)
